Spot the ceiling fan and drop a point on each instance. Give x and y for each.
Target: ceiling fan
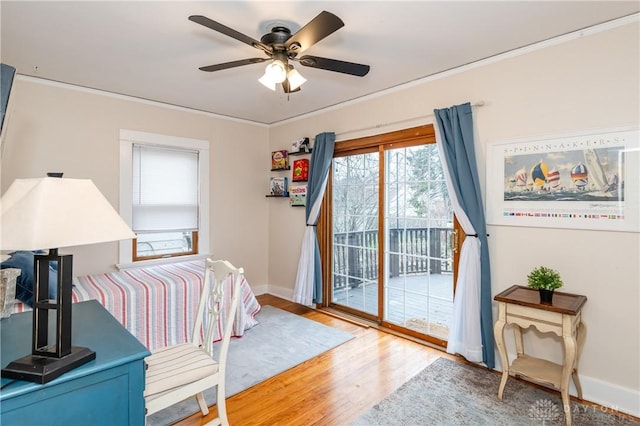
(280, 47)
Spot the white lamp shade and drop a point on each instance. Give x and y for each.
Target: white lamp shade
(52, 212)
(295, 79)
(267, 82)
(277, 71)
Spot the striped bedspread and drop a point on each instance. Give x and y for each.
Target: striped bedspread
(157, 304)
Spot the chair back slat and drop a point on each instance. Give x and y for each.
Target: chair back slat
(221, 283)
(220, 298)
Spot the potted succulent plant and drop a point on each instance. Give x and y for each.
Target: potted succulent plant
(545, 280)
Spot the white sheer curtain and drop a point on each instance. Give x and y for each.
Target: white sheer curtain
(308, 287)
(303, 292)
(465, 334)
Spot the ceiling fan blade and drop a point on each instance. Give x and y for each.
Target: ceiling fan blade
(216, 26)
(232, 64)
(351, 68)
(318, 28)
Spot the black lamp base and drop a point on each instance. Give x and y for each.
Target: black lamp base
(43, 369)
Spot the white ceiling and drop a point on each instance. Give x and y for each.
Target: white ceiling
(150, 50)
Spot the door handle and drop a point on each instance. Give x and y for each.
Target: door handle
(454, 241)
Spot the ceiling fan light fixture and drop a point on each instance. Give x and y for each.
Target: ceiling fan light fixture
(267, 82)
(281, 45)
(295, 79)
(277, 71)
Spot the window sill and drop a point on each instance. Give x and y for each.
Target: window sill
(164, 261)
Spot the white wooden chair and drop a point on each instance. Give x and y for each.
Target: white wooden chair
(178, 372)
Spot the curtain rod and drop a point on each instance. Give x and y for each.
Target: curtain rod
(378, 126)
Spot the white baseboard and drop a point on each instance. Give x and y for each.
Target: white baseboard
(610, 396)
(281, 292)
(259, 289)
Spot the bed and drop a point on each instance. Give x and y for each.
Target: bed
(156, 304)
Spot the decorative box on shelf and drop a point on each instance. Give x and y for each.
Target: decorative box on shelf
(301, 146)
(280, 160)
(298, 196)
(278, 187)
(301, 170)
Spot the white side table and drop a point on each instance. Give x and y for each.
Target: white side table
(520, 306)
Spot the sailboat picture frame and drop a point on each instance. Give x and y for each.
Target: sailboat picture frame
(586, 180)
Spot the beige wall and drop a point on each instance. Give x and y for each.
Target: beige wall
(589, 83)
(57, 128)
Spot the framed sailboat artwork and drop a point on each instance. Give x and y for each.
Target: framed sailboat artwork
(580, 181)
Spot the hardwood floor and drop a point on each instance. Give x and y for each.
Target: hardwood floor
(333, 388)
(338, 386)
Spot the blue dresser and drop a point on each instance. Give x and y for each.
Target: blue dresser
(105, 391)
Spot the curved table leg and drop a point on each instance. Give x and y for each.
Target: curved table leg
(570, 351)
(582, 331)
(498, 331)
(517, 335)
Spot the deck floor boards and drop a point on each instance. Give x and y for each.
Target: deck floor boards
(414, 301)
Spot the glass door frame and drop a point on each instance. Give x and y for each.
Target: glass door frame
(378, 143)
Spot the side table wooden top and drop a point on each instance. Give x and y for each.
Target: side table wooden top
(564, 303)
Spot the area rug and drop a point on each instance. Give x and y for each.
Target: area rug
(450, 393)
(280, 341)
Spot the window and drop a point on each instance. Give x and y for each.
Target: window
(165, 201)
(387, 229)
(164, 196)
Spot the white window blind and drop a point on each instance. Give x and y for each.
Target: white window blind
(165, 189)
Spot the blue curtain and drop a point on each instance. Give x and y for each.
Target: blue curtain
(309, 277)
(6, 81)
(456, 131)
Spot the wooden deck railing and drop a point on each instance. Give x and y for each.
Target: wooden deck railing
(355, 255)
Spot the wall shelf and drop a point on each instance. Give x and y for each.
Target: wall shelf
(301, 152)
(278, 155)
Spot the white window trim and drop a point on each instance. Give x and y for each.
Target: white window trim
(127, 139)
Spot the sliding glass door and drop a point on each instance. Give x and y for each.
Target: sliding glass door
(355, 232)
(391, 237)
(418, 225)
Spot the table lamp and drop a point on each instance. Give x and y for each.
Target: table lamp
(49, 213)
